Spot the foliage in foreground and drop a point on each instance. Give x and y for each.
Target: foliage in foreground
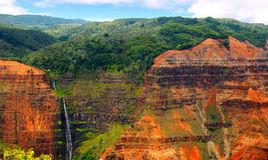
(16, 153)
(19, 154)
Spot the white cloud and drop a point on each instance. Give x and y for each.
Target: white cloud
(10, 7)
(245, 10)
(43, 4)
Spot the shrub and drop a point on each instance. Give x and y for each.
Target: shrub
(19, 154)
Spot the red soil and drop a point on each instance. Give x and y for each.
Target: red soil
(29, 107)
(243, 49)
(148, 128)
(209, 50)
(257, 96)
(180, 123)
(16, 68)
(211, 97)
(246, 137)
(189, 153)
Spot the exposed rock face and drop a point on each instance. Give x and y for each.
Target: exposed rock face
(28, 107)
(98, 104)
(136, 141)
(208, 102)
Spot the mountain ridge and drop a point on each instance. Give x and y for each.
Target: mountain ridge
(37, 20)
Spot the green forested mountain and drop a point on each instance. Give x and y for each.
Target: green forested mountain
(243, 31)
(37, 21)
(130, 45)
(59, 28)
(16, 43)
(61, 32)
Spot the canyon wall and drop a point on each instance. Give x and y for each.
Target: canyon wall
(207, 102)
(98, 103)
(28, 107)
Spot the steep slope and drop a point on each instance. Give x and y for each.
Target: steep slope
(15, 42)
(102, 107)
(28, 107)
(208, 102)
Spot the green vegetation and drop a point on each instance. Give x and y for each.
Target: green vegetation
(169, 124)
(213, 114)
(2, 146)
(63, 92)
(93, 87)
(19, 154)
(125, 45)
(130, 45)
(16, 153)
(16, 43)
(94, 147)
(52, 75)
(88, 88)
(2, 98)
(37, 21)
(62, 31)
(204, 150)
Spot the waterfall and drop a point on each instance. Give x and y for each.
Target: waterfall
(54, 85)
(69, 145)
(68, 133)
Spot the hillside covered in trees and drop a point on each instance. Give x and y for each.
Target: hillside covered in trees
(129, 45)
(16, 42)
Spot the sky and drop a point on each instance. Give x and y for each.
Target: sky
(253, 11)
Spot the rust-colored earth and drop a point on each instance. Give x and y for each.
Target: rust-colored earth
(207, 102)
(28, 107)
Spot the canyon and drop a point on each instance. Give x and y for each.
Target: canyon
(207, 102)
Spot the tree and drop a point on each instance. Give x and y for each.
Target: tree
(19, 154)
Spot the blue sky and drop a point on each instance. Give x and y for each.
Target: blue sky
(103, 11)
(246, 10)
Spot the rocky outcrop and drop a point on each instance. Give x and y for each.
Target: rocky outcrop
(28, 107)
(212, 90)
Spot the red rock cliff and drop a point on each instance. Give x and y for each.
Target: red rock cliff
(207, 102)
(28, 107)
